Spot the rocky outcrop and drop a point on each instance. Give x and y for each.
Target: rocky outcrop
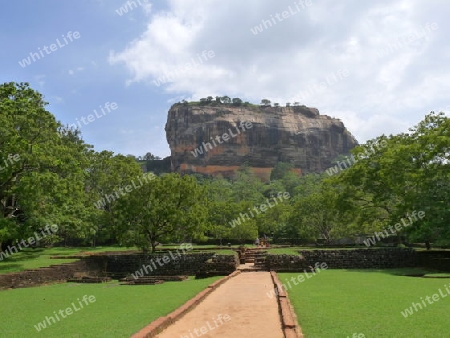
(219, 139)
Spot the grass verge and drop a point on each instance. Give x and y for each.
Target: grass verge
(40, 257)
(339, 303)
(118, 311)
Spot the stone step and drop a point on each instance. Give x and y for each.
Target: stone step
(251, 269)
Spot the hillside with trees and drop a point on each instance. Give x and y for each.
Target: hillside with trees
(49, 175)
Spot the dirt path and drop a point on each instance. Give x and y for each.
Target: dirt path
(238, 308)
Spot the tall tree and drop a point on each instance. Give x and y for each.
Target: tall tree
(45, 182)
(168, 207)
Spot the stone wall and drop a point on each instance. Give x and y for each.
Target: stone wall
(363, 258)
(53, 274)
(166, 264)
(153, 265)
(286, 263)
(219, 265)
(344, 259)
(121, 265)
(439, 260)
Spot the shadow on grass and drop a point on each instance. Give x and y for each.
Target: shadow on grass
(12, 267)
(408, 272)
(21, 257)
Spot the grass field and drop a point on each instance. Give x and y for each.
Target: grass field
(339, 303)
(118, 310)
(37, 258)
(295, 250)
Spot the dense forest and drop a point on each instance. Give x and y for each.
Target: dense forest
(49, 175)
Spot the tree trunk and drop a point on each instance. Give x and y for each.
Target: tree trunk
(399, 239)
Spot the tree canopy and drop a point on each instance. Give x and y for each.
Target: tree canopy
(49, 175)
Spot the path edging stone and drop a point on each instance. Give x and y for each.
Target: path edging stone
(291, 328)
(158, 325)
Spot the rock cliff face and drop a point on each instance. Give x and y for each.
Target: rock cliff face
(220, 139)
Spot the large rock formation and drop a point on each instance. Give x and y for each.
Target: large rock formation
(257, 136)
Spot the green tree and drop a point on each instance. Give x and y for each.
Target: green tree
(316, 215)
(280, 170)
(149, 157)
(165, 208)
(226, 99)
(247, 187)
(236, 101)
(243, 227)
(401, 173)
(108, 173)
(46, 183)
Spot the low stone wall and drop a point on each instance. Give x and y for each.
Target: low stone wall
(53, 274)
(363, 258)
(165, 264)
(344, 259)
(439, 260)
(153, 265)
(286, 263)
(121, 265)
(219, 265)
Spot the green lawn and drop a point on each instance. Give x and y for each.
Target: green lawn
(295, 250)
(118, 311)
(37, 258)
(283, 251)
(339, 303)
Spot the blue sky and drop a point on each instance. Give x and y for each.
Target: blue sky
(77, 78)
(379, 66)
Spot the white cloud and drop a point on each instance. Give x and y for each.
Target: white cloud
(57, 99)
(78, 69)
(380, 95)
(40, 79)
